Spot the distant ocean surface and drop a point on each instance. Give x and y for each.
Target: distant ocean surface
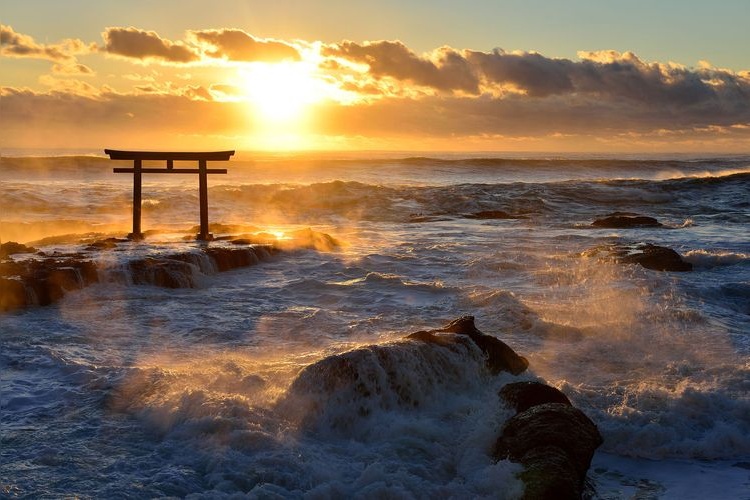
(127, 391)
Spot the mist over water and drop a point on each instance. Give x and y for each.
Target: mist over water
(144, 391)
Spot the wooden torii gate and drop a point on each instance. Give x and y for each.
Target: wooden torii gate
(139, 156)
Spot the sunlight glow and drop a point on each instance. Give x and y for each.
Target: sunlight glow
(281, 92)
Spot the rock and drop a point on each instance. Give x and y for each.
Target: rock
(523, 395)
(530, 437)
(650, 256)
(657, 258)
(11, 247)
(12, 294)
(493, 214)
(337, 392)
(549, 475)
(105, 244)
(622, 220)
(500, 357)
(163, 272)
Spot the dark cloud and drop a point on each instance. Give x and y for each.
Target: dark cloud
(450, 72)
(13, 44)
(144, 45)
(236, 45)
(533, 73)
(604, 75)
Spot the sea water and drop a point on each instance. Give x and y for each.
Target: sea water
(130, 391)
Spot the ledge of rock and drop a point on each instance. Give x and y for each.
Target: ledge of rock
(650, 256)
(500, 357)
(11, 247)
(43, 281)
(523, 395)
(623, 220)
(333, 394)
(554, 441)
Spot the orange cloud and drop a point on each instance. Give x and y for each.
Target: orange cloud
(13, 44)
(237, 45)
(145, 46)
(449, 72)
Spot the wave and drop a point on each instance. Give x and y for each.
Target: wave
(715, 258)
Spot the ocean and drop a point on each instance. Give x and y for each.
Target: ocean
(122, 390)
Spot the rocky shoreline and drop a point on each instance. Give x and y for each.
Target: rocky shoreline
(31, 277)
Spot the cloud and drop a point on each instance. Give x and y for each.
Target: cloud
(237, 45)
(620, 80)
(13, 44)
(145, 46)
(72, 68)
(108, 118)
(446, 70)
(530, 72)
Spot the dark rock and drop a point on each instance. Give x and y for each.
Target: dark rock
(650, 256)
(549, 475)
(11, 247)
(622, 220)
(658, 258)
(493, 214)
(333, 394)
(500, 357)
(12, 294)
(523, 395)
(550, 424)
(166, 273)
(105, 244)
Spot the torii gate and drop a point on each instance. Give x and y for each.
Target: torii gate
(170, 157)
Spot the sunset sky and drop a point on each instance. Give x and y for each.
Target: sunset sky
(580, 75)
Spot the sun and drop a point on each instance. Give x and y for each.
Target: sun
(280, 93)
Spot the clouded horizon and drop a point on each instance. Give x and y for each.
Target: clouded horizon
(226, 87)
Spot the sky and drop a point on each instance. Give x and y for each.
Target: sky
(502, 75)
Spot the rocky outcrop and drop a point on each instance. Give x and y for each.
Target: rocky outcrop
(43, 281)
(523, 395)
(500, 357)
(332, 394)
(650, 256)
(554, 441)
(623, 220)
(11, 247)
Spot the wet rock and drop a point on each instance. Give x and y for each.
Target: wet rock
(11, 247)
(337, 392)
(493, 214)
(650, 256)
(105, 244)
(622, 220)
(549, 475)
(523, 395)
(657, 258)
(500, 357)
(43, 282)
(166, 273)
(555, 442)
(12, 294)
